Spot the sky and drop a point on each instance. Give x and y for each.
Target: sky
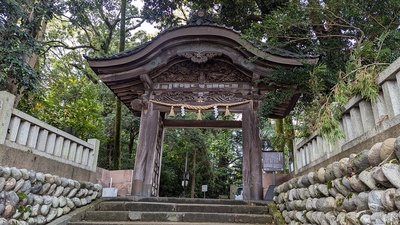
(145, 26)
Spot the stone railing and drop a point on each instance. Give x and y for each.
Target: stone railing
(361, 121)
(30, 197)
(22, 131)
(361, 189)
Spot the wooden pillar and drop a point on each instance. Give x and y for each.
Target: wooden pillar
(158, 162)
(145, 154)
(152, 180)
(252, 166)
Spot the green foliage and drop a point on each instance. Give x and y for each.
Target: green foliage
(98, 22)
(339, 202)
(218, 159)
(272, 99)
(239, 14)
(129, 132)
(20, 207)
(70, 96)
(61, 108)
(358, 80)
(356, 40)
(21, 27)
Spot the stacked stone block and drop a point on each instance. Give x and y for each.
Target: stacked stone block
(29, 197)
(361, 189)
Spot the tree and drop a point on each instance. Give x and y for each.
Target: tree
(118, 115)
(239, 13)
(22, 28)
(355, 40)
(214, 159)
(89, 28)
(103, 27)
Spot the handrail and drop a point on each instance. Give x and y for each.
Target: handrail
(22, 131)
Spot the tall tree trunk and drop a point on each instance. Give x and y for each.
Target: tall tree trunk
(193, 175)
(132, 137)
(280, 133)
(289, 137)
(117, 136)
(110, 155)
(32, 59)
(118, 115)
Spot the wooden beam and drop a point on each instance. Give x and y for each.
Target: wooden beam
(148, 84)
(203, 124)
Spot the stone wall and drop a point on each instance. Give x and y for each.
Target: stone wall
(30, 197)
(13, 157)
(363, 188)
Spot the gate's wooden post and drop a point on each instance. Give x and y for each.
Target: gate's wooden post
(153, 166)
(158, 158)
(144, 162)
(252, 167)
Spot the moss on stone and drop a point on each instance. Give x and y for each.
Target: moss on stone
(276, 214)
(329, 184)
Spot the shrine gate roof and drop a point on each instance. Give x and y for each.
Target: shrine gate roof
(199, 63)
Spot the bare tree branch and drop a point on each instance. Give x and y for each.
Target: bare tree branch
(55, 44)
(134, 27)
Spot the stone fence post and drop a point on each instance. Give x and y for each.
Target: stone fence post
(95, 153)
(6, 108)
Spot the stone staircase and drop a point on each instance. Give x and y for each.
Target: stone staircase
(179, 211)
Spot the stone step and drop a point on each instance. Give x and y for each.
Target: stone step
(186, 200)
(180, 207)
(192, 217)
(172, 211)
(156, 223)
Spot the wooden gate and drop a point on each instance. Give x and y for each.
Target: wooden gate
(197, 67)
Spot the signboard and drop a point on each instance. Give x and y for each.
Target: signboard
(204, 188)
(272, 161)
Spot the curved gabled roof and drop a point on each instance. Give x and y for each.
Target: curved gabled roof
(196, 33)
(131, 73)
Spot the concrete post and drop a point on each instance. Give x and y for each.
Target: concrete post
(65, 149)
(391, 95)
(42, 140)
(50, 144)
(33, 136)
(72, 151)
(379, 108)
(94, 154)
(85, 156)
(347, 127)
(356, 122)
(314, 152)
(22, 137)
(79, 154)
(13, 128)
(320, 146)
(6, 108)
(58, 146)
(297, 164)
(367, 115)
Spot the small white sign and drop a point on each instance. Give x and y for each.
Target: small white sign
(204, 188)
(110, 192)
